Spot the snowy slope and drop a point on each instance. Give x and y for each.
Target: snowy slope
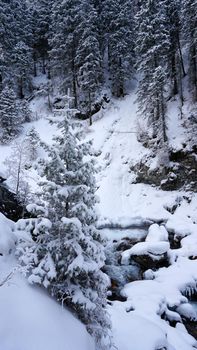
(30, 319)
(137, 323)
(117, 148)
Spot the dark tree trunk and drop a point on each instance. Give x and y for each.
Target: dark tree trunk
(121, 84)
(174, 74)
(181, 56)
(21, 94)
(194, 71)
(181, 93)
(74, 90)
(43, 65)
(1, 83)
(35, 64)
(90, 109)
(163, 118)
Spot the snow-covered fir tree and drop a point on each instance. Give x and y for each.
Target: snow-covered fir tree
(175, 56)
(88, 56)
(152, 45)
(40, 21)
(67, 255)
(10, 118)
(15, 27)
(119, 26)
(64, 43)
(189, 26)
(32, 142)
(22, 68)
(24, 111)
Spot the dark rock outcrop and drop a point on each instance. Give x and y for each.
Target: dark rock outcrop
(179, 173)
(148, 261)
(9, 204)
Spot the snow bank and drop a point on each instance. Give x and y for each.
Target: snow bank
(124, 222)
(164, 296)
(117, 234)
(133, 331)
(157, 233)
(31, 320)
(181, 227)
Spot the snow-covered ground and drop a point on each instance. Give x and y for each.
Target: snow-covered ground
(137, 323)
(30, 319)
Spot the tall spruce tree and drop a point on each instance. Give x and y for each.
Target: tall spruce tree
(64, 44)
(189, 25)
(22, 68)
(15, 27)
(67, 255)
(152, 47)
(88, 56)
(41, 20)
(175, 57)
(119, 27)
(10, 118)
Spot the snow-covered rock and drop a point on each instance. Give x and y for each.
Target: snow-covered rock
(187, 311)
(157, 233)
(133, 331)
(155, 250)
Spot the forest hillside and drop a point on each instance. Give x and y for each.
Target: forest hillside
(98, 184)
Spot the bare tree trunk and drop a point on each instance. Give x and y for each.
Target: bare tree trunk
(49, 70)
(194, 73)
(174, 75)
(75, 90)
(74, 78)
(1, 83)
(49, 99)
(43, 65)
(35, 65)
(181, 93)
(163, 119)
(18, 174)
(181, 56)
(67, 208)
(90, 109)
(21, 95)
(121, 84)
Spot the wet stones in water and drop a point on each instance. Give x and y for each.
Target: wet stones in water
(191, 324)
(191, 327)
(122, 275)
(146, 261)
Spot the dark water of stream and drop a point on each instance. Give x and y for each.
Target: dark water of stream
(117, 241)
